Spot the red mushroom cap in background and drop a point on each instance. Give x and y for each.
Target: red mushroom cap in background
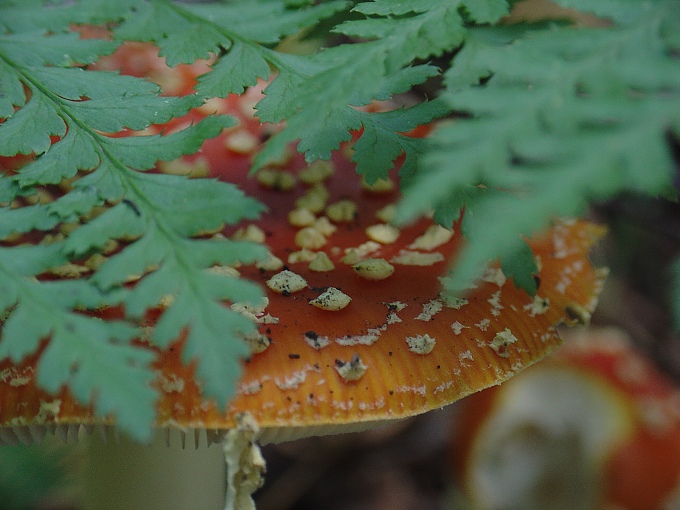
(594, 426)
(354, 330)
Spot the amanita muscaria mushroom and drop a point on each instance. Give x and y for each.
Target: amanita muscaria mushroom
(354, 331)
(596, 426)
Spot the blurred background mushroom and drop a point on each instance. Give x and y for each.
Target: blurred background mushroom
(595, 426)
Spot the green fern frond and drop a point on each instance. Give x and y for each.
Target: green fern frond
(558, 117)
(63, 115)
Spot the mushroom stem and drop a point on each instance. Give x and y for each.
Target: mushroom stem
(125, 474)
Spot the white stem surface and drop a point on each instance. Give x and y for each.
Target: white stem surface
(126, 475)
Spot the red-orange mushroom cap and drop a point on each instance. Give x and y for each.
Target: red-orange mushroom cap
(354, 330)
